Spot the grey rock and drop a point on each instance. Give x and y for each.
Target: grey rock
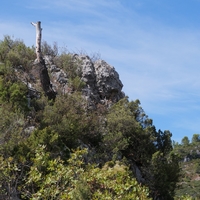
(60, 77)
(102, 81)
(107, 80)
(88, 71)
(29, 130)
(48, 60)
(54, 68)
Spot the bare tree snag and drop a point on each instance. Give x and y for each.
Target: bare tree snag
(38, 40)
(39, 68)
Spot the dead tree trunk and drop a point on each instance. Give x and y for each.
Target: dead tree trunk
(38, 40)
(40, 66)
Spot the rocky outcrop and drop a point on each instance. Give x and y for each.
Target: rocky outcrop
(107, 81)
(102, 83)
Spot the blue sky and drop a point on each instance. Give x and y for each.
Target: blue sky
(154, 45)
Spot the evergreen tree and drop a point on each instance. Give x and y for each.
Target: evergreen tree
(185, 141)
(196, 138)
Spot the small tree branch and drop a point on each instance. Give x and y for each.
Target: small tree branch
(34, 24)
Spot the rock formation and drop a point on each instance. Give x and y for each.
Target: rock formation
(102, 83)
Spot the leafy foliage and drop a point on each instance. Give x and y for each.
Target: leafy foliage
(185, 141)
(196, 138)
(76, 180)
(68, 118)
(15, 53)
(189, 161)
(129, 130)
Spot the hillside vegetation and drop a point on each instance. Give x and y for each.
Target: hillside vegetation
(60, 148)
(189, 153)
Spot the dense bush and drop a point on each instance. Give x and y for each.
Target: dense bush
(78, 180)
(15, 53)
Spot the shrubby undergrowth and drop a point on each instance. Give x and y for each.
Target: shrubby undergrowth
(72, 152)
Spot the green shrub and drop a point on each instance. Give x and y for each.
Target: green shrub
(78, 180)
(15, 53)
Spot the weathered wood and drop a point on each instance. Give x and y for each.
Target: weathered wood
(39, 69)
(38, 40)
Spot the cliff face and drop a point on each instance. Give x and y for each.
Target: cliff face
(101, 81)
